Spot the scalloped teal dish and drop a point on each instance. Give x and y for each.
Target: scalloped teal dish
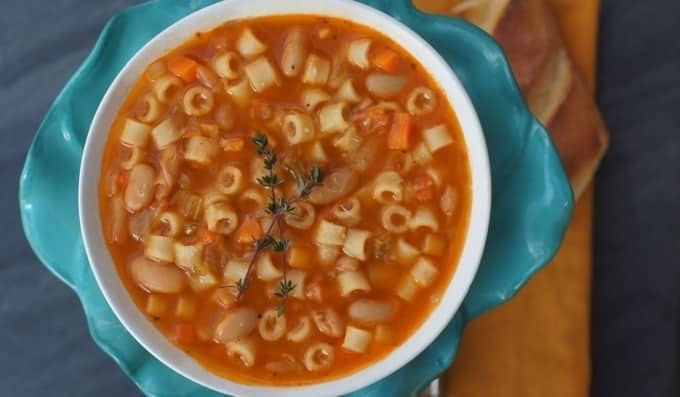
(532, 201)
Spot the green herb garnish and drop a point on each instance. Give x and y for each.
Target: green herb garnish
(277, 207)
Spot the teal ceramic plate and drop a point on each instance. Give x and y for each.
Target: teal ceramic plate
(532, 202)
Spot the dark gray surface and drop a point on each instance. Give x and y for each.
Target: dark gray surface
(636, 294)
(45, 349)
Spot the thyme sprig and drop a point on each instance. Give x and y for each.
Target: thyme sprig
(276, 208)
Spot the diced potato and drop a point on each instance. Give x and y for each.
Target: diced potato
(299, 257)
(407, 288)
(437, 137)
(186, 307)
(326, 255)
(156, 305)
(235, 270)
(384, 334)
(407, 254)
(352, 281)
(434, 244)
(424, 272)
(356, 339)
(383, 276)
(330, 233)
(355, 243)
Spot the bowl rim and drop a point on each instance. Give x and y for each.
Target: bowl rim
(105, 272)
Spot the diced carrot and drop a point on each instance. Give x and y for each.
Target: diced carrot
(233, 144)
(249, 231)
(385, 59)
(423, 188)
(205, 236)
(184, 68)
(184, 333)
(399, 137)
(372, 119)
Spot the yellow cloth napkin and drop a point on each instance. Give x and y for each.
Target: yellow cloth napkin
(538, 344)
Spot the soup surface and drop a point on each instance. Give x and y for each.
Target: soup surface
(286, 198)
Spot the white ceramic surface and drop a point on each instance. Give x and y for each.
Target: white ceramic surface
(204, 20)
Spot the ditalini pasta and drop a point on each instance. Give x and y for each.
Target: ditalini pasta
(135, 134)
(165, 134)
(312, 97)
(261, 74)
(333, 118)
(356, 339)
(358, 53)
(188, 205)
(248, 45)
(317, 69)
(240, 92)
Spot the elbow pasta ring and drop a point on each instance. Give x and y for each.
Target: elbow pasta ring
(173, 223)
(198, 101)
(319, 356)
(221, 218)
(152, 109)
(302, 217)
(228, 65)
(166, 87)
(348, 212)
(421, 101)
(396, 218)
(272, 326)
(229, 179)
(298, 127)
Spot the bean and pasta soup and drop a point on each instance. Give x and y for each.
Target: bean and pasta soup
(286, 198)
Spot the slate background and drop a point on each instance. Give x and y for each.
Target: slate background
(45, 348)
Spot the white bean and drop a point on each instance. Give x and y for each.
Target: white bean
(140, 188)
(294, 53)
(369, 311)
(336, 185)
(235, 324)
(384, 85)
(157, 277)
